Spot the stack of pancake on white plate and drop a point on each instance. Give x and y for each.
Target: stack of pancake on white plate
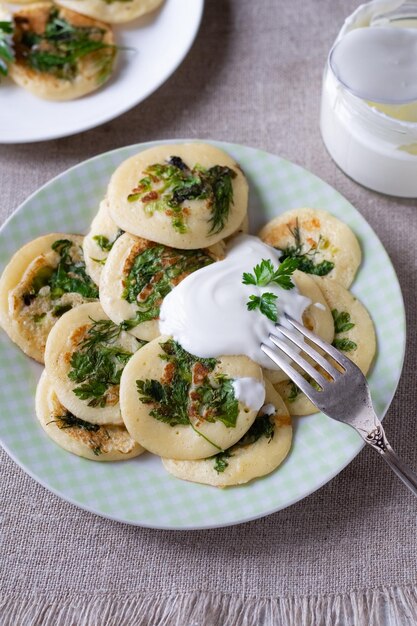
(88, 307)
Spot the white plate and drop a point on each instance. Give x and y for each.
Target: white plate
(159, 41)
(139, 491)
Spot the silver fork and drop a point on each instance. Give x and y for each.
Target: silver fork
(345, 398)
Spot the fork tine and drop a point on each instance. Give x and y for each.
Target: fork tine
(330, 350)
(305, 347)
(297, 358)
(311, 393)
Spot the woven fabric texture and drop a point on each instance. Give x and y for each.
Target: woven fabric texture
(346, 554)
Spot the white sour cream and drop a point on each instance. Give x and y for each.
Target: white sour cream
(268, 409)
(250, 391)
(368, 115)
(378, 64)
(207, 313)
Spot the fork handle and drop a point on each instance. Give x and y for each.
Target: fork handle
(376, 439)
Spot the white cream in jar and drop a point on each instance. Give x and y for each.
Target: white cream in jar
(372, 135)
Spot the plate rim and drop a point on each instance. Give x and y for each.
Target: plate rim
(124, 109)
(331, 474)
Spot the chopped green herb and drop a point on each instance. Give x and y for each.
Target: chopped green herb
(154, 273)
(69, 276)
(189, 396)
(104, 243)
(167, 186)
(60, 309)
(60, 47)
(6, 47)
(342, 324)
(294, 392)
(98, 363)
(39, 318)
(346, 345)
(305, 257)
(263, 426)
(266, 303)
(341, 321)
(220, 461)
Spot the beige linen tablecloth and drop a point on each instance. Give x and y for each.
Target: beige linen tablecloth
(345, 555)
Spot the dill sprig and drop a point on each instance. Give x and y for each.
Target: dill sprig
(98, 363)
(6, 46)
(59, 48)
(305, 256)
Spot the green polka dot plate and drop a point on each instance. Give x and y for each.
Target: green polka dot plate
(139, 491)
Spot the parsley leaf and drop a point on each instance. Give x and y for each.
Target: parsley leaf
(265, 274)
(266, 303)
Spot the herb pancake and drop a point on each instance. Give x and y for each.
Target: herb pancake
(112, 11)
(324, 245)
(185, 196)
(59, 54)
(138, 274)
(91, 441)
(259, 452)
(354, 335)
(316, 317)
(84, 358)
(99, 241)
(183, 407)
(42, 281)
(353, 326)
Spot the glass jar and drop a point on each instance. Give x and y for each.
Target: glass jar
(374, 144)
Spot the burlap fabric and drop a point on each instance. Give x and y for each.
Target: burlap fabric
(345, 555)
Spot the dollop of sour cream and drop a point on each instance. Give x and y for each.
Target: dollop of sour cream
(207, 313)
(249, 391)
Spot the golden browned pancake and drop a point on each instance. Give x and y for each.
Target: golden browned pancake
(182, 407)
(260, 451)
(185, 196)
(60, 55)
(42, 281)
(109, 442)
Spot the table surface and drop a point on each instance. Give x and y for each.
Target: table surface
(346, 554)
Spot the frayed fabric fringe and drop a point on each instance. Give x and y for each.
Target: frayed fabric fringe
(377, 607)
